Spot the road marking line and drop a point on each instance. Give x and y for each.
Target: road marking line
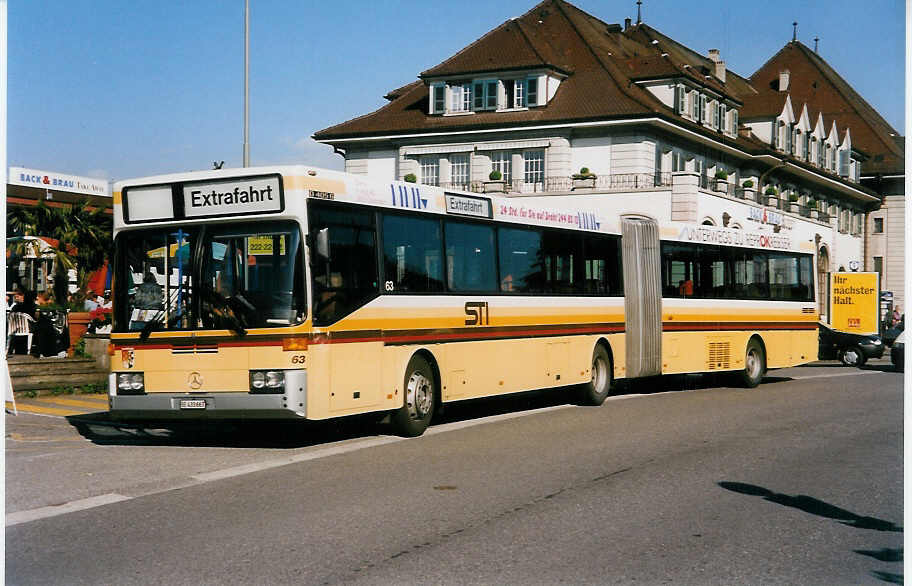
(70, 507)
(91, 404)
(838, 374)
(38, 409)
(315, 455)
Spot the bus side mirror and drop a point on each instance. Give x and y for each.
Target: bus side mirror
(323, 243)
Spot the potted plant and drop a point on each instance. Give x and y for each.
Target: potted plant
(495, 183)
(410, 178)
(721, 178)
(585, 179)
(793, 203)
(812, 208)
(772, 195)
(748, 190)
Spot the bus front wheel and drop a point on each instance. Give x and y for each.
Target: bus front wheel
(597, 390)
(414, 416)
(754, 364)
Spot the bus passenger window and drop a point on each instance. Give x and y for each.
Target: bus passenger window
(411, 255)
(470, 257)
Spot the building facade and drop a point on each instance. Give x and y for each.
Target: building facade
(558, 102)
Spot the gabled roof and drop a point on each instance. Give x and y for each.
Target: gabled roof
(814, 82)
(520, 45)
(601, 63)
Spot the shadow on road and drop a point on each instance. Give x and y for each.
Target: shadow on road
(101, 429)
(813, 506)
(823, 509)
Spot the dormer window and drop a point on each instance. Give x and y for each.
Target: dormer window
(484, 94)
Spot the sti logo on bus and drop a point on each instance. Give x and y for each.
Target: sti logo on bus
(476, 313)
(235, 196)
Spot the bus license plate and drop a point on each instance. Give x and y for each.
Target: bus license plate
(192, 404)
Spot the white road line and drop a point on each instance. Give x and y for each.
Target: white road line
(859, 373)
(70, 507)
(315, 455)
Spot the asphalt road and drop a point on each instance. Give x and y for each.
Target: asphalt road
(796, 482)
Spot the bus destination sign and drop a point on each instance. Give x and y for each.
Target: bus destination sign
(246, 195)
(464, 205)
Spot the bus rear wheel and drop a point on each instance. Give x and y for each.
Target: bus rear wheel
(754, 364)
(597, 390)
(414, 416)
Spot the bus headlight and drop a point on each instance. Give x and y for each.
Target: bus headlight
(267, 381)
(131, 383)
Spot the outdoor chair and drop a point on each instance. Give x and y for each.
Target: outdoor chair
(19, 324)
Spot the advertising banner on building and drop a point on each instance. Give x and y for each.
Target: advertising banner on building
(58, 181)
(854, 302)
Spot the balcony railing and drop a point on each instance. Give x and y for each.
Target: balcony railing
(601, 183)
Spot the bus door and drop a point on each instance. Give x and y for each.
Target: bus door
(642, 296)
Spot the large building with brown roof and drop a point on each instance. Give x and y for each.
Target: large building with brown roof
(822, 97)
(545, 94)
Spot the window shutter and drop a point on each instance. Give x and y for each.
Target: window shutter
(702, 116)
(439, 99)
(679, 99)
(696, 105)
(734, 122)
(532, 92)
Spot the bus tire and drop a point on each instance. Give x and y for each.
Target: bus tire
(754, 364)
(419, 392)
(598, 388)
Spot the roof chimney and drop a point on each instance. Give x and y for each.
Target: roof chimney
(626, 23)
(719, 65)
(784, 80)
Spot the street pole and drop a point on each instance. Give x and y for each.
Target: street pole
(246, 83)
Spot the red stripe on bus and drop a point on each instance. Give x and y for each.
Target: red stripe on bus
(738, 326)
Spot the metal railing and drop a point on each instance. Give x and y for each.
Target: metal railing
(600, 183)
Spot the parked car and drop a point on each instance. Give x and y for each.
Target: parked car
(851, 349)
(892, 333)
(898, 351)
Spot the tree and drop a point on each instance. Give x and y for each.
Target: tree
(83, 236)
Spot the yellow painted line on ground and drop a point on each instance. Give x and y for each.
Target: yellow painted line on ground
(91, 403)
(32, 408)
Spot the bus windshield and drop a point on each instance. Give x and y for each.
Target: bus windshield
(249, 276)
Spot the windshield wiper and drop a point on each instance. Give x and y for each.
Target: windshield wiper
(222, 309)
(155, 324)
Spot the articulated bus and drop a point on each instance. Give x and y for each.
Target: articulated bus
(303, 293)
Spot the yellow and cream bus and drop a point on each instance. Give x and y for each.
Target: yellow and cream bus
(305, 293)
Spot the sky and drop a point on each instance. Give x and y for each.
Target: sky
(115, 89)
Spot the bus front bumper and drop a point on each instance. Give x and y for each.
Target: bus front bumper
(291, 404)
